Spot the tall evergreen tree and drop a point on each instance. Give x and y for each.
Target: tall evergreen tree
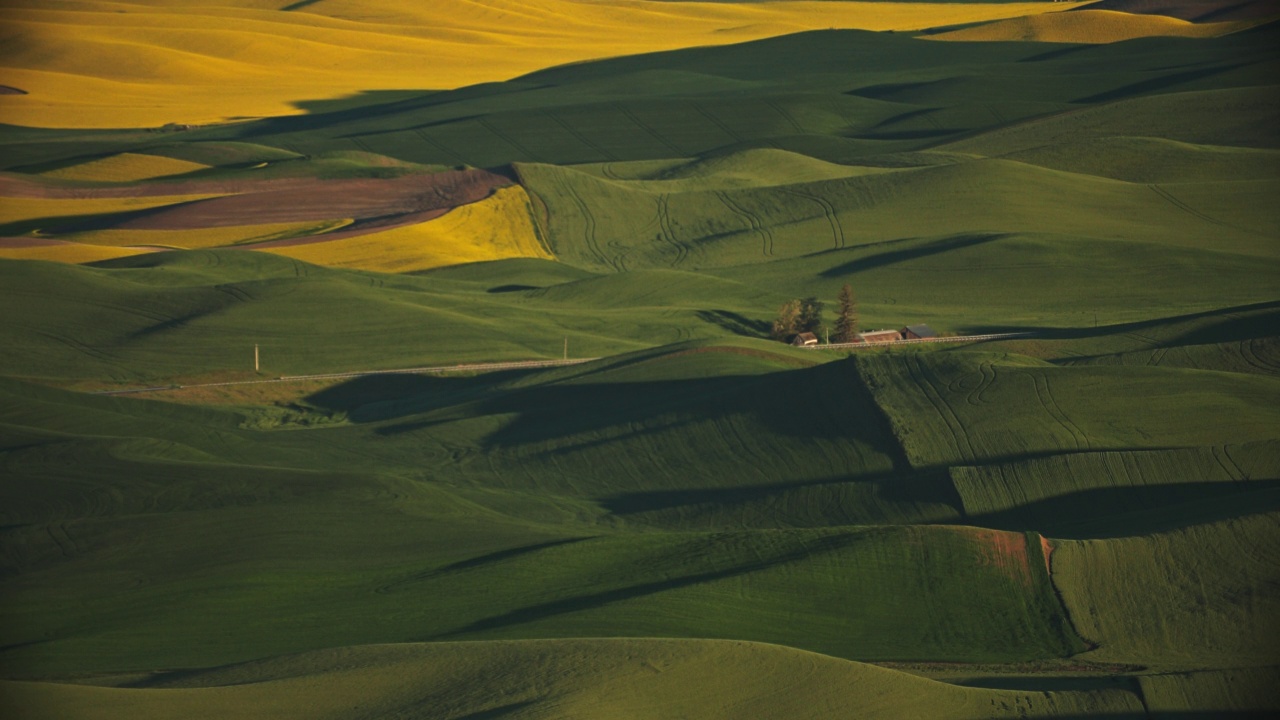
(810, 315)
(847, 320)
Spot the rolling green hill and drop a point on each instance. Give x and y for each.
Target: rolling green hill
(695, 520)
(556, 678)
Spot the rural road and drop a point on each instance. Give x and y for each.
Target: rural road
(529, 364)
(475, 367)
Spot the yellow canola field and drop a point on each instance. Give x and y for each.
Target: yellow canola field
(21, 209)
(1091, 26)
(69, 252)
(90, 63)
(204, 237)
(498, 227)
(125, 167)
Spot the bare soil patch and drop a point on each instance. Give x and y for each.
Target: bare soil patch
(370, 202)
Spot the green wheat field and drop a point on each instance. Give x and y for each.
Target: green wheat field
(203, 205)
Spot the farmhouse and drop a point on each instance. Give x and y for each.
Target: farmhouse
(805, 339)
(918, 332)
(879, 336)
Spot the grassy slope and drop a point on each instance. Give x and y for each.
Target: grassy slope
(615, 225)
(946, 408)
(648, 492)
(557, 678)
(1194, 596)
(545, 569)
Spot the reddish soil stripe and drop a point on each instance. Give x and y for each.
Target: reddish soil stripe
(1007, 551)
(363, 199)
(29, 242)
(17, 185)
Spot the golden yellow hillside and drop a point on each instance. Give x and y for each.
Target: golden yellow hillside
(495, 228)
(149, 62)
(66, 252)
(192, 239)
(1090, 26)
(32, 210)
(125, 167)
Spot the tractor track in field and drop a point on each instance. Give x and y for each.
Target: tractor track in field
(1252, 358)
(355, 140)
(957, 429)
(668, 233)
(235, 293)
(1172, 200)
(648, 130)
(426, 137)
(837, 230)
(504, 137)
(698, 108)
(593, 243)
(753, 222)
(786, 116)
(987, 378)
(78, 346)
(1223, 456)
(608, 156)
(1050, 405)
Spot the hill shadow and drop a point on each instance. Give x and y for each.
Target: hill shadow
(1156, 84)
(1229, 329)
(374, 398)
(590, 601)
(735, 323)
(810, 403)
(1129, 511)
(918, 249)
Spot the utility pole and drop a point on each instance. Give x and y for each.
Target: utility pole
(566, 347)
(255, 357)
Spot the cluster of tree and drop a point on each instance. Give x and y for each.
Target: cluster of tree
(804, 315)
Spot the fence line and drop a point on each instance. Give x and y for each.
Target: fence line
(918, 341)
